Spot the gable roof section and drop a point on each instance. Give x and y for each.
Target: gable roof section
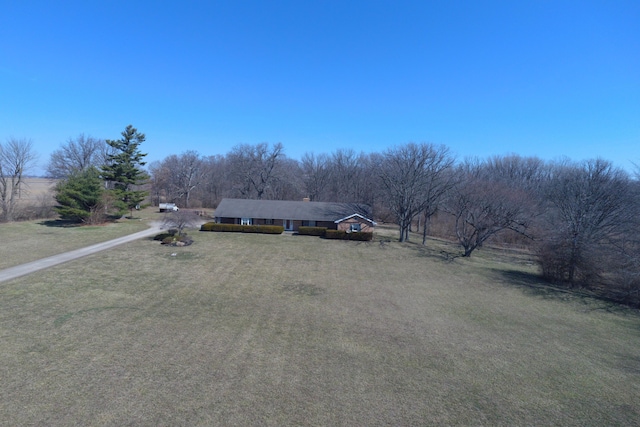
(283, 209)
(355, 215)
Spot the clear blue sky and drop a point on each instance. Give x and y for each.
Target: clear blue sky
(544, 78)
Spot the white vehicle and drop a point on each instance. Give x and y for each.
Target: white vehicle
(166, 207)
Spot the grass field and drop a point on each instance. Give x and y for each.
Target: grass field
(290, 330)
(35, 189)
(27, 241)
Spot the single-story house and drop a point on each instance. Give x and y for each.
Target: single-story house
(294, 214)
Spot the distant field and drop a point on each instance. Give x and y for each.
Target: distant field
(37, 188)
(288, 330)
(35, 198)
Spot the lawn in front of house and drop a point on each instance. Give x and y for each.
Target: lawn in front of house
(241, 329)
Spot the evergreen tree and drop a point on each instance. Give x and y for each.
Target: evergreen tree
(80, 197)
(123, 170)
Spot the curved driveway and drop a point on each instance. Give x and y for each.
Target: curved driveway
(24, 269)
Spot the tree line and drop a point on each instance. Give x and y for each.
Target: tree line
(97, 178)
(581, 219)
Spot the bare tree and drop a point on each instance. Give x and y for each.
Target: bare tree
(368, 188)
(77, 155)
(414, 178)
(439, 180)
(483, 207)
(345, 172)
(158, 182)
(627, 269)
(591, 207)
(180, 220)
(183, 174)
(528, 173)
(253, 168)
(16, 158)
(190, 175)
(316, 176)
(215, 182)
(287, 181)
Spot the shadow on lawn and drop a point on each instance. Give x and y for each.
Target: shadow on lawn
(535, 285)
(443, 251)
(68, 223)
(60, 223)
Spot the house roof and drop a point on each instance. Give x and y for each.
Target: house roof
(356, 215)
(284, 209)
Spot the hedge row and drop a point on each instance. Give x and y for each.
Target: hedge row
(343, 235)
(312, 231)
(263, 229)
(278, 229)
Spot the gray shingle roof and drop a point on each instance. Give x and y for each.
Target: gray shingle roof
(283, 209)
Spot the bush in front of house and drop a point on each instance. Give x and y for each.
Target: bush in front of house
(263, 229)
(169, 233)
(343, 235)
(312, 231)
(162, 236)
(335, 234)
(174, 240)
(212, 226)
(236, 228)
(363, 236)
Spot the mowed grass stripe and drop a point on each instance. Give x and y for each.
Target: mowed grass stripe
(292, 330)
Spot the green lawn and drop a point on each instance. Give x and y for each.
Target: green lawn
(243, 329)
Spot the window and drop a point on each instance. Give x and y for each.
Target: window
(308, 223)
(355, 228)
(245, 221)
(268, 221)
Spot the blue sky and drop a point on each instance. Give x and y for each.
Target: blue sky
(539, 78)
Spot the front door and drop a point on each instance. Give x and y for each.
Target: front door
(288, 225)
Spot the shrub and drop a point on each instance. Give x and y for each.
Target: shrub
(268, 229)
(343, 235)
(361, 236)
(212, 226)
(560, 265)
(312, 231)
(336, 234)
(162, 236)
(173, 240)
(263, 229)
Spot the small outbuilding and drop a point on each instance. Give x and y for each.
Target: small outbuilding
(292, 215)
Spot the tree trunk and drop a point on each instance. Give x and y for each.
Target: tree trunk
(425, 229)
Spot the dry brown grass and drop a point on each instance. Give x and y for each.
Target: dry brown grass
(291, 330)
(36, 192)
(35, 188)
(34, 199)
(27, 241)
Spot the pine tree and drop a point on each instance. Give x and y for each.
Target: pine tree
(80, 197)
(123, 170)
